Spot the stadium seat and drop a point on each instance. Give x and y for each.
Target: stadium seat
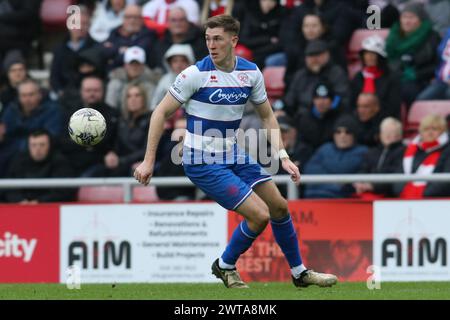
(54, 13)
(354, 46)
(102, 194)
(420, 109)
(274, 81)
(145, 194)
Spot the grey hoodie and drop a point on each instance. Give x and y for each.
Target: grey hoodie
(167, 80)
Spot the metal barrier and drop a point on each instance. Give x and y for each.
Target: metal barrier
(292, 190)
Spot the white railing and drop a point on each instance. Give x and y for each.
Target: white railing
(292, 190)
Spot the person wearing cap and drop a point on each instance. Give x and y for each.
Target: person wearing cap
(411, 48)
(318, 67)
(176, 59)
(341, 156)
(376, 77)
(313, 27)
(316, 126)
(134, 71)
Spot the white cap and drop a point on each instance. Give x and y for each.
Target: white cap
(134, 54)
(374, 43)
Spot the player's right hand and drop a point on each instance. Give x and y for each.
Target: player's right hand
(144, 172)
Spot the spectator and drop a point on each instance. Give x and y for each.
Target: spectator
(313, 28)
(131, 141)
(107, 16)
(176, 59)
(411, 47)
(342, 156)
(427, 153)
(439, 12)
(369, 117)
(66, 55)
(156, 13)
(336, 14)
(166, 167)
(19, 25)
(211, 8)
(261, 28)
(377, 78)
(29, 113)
(316, 126)
(39, 161)
(181, 31)
(134, 71)
(298, 152)
(386, 157)
(85, 159)
(131, 33)
(16, 72)
(440, 87)
(318, 67)
(389, 11)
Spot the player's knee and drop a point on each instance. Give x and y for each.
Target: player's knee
(261, 218)
(280, 209)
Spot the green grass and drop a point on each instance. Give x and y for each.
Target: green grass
(257, 291)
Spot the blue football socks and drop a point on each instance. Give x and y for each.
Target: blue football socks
(241, 240)
(286, 237)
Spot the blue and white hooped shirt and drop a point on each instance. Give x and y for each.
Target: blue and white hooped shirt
(214, 101)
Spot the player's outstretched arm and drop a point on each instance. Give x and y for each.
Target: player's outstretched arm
(163, 111)
(270, 123)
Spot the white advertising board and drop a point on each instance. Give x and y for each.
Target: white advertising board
(142, 242)
(411, 240)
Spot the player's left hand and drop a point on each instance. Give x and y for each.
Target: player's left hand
(292, 169)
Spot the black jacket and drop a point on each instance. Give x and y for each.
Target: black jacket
(64, 69)
(295, 53)
(387, 88)
(54, 166)
(382, 159)
(257, 31)
(145, 38)
(316, 131)
(19, 23)
(300, 92)
(369, 130)
(131, 139)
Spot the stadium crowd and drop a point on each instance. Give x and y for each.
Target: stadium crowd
(335, 118)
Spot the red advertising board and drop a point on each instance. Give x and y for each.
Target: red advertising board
(335, 236)
(29, 243)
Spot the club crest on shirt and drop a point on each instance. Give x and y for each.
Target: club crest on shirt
(243, 78)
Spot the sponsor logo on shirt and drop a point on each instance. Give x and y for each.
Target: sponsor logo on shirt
(233, 97)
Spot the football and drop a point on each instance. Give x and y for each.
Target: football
(87, 127)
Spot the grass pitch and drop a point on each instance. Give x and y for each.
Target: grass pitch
(257, 291)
